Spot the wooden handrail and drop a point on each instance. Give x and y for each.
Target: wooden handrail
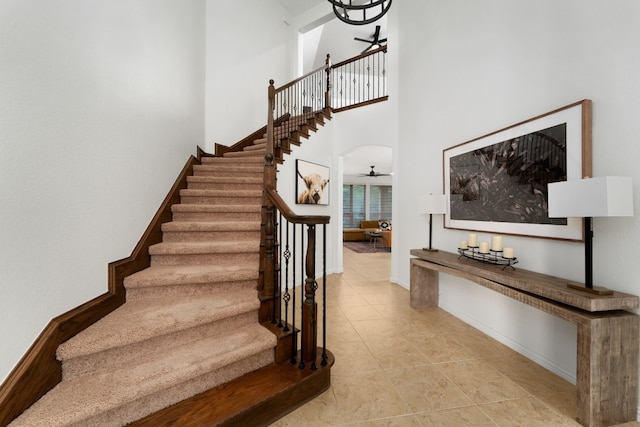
(290, 215)
(363, 55)
(299, 79)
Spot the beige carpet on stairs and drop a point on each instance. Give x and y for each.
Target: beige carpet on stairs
(190, 321)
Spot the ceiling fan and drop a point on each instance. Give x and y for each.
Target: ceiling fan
(372, 173)
(376, 40)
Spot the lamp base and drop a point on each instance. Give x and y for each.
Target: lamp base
(595, 290)
(429, 249)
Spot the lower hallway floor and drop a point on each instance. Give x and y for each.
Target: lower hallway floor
(399, 366)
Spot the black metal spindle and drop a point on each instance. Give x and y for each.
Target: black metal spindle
(301, 365)
(324, 295)
(294, 345)
(286, 296)
(278, 281)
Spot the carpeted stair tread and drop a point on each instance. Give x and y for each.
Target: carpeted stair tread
(169, 275)
(77, 401)
(220, 193)
(256, 147)
(225, 180)
(176, 226)
(253, 161)
(195, 207)
(141, 320)
(208, 247)
(255, 151)
(222, 170)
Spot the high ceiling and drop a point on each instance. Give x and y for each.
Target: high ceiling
(296, 7)
(337, 38)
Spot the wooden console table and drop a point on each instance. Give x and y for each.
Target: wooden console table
(608, 336)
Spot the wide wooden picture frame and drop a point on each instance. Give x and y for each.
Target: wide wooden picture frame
(497, 183)
(312, 183)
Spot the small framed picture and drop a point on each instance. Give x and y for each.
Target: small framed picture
(312, 183)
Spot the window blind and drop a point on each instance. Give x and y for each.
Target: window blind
(353, 205)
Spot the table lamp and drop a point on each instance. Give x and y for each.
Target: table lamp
(433, 204)
(588, 198)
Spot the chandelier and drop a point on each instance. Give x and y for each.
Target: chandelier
(365, 12)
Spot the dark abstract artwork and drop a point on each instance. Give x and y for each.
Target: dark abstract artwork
(497, 183)
(507, 181)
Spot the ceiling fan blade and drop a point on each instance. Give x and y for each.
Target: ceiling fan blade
(366, 50)
(362, 40)
(382, 41)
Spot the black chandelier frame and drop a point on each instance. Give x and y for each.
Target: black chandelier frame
(342, 10)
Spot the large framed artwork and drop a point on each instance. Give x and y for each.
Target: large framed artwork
(498, 182)
(312, 183)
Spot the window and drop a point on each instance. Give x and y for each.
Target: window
(380, 202)
(360, 202)
(353, 206)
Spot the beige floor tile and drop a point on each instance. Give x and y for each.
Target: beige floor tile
(481, 382)
(532, 377)
(563, 403)
(404, 421)
(363, 396)
(392, 351)
(340, 332)
(352, 301)
(482, 345)
(442, 348)
(361, 312)
(424, 388)
(527, 412)
(371, 329)
(353, 357)
(470, 416)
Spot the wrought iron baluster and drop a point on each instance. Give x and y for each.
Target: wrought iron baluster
(294, 345)
(278, 272)
(286, 296)
(301, 365)
(324, 295)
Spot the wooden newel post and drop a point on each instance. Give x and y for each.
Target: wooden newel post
(327, 93)
(309, 306)
(266, 287)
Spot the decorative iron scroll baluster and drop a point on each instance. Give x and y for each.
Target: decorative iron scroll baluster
(360, 80)
(286, 297)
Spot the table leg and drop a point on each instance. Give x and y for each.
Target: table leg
(607, 370)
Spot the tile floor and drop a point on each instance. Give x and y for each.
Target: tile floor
(398, 366)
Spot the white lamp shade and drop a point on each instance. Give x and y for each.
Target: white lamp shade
(591, 197)
(433, 204)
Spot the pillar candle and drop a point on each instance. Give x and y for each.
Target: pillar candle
(464, 245)
(484, 247)
(473, 240)
(508, 253)
(496, 243)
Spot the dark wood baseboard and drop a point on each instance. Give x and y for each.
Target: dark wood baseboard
(39, 371)
(256, 399)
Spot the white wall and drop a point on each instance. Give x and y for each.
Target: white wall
(247, 44)
(317, 149)
(469, 68)
(101, 103)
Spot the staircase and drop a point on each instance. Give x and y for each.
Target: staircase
(194, 329)
(191, 319)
